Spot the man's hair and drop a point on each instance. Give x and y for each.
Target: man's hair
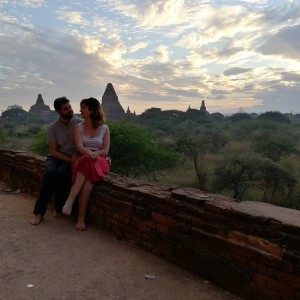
(59, 102)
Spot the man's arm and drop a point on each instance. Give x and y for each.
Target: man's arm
(56, 154)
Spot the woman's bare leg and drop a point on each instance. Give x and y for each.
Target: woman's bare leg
(84, 198)
(75, 189)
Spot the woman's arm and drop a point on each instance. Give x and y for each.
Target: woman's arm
(79, 146)
(105, 144)
(78, 141)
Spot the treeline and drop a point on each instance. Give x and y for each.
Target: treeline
(244, 157)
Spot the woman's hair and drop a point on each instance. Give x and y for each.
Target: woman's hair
(97, 114)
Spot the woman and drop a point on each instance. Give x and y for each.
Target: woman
(92, 140)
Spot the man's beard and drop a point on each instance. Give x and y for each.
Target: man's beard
(67, 116)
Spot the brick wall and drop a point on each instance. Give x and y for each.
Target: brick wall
(249, 248)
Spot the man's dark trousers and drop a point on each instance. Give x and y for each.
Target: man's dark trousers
(57, 177)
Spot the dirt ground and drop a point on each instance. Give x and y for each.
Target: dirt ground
(55, 261)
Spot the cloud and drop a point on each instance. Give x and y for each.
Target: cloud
(7, 18)
(73, 17)
(138, 46)
(151, 14)
(25, 3)
(284, 43)
(292, 77)
(162, 54)
(236, 71)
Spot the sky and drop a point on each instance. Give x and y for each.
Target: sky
(238, 56)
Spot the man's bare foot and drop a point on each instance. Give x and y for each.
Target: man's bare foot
(80, 226)
(36, 220)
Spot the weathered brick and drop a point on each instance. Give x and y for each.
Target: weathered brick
(266, 293)
(267, 270)
(275, 263)
(125, 206)
(289, 279)
(163, 220)
(162, 228)
(273, 284)
(254, 242)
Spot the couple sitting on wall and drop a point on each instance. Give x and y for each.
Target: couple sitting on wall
(78, 159)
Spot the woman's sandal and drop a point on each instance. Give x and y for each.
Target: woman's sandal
(36, 220)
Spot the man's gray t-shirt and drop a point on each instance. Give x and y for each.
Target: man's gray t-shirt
(61, 134)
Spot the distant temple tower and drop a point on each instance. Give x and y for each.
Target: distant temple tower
(113, 110)
(203, 109)
(129, 114)
(40, 109)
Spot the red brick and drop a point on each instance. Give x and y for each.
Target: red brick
(266, 293)
(124, 218)
(162, 228)
(296, 270)
(273, 284)
(163, 220)
(266, 270)
(255, 242)
(131, 234)
(126, 206)
(214, 207)
(275, 263)
(289, 279)
(144, 227)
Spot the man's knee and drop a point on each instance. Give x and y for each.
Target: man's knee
(64, 171)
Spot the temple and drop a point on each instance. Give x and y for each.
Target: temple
(203, 109)
(113, 110)
(40, 109)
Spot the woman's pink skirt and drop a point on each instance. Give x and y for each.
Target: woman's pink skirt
(92, 170)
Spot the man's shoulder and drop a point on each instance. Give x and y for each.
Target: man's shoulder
(53, 124)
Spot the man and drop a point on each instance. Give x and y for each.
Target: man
(58, 174)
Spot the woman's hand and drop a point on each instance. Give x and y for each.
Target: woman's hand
(93, 155)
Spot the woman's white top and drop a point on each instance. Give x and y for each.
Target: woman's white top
(92, 143)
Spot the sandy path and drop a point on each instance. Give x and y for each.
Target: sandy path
(55, 261)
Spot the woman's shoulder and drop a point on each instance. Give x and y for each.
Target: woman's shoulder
(80, 126)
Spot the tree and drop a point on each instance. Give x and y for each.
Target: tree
(238, 174)
(15, 113)
(194, 143)
(40, 145)
(135, 152)
(240, 116)
(275, 149)
(275, 116)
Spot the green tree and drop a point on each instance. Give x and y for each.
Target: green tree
(275, 149)
(240, 116)
(275, 116)
(195, 143)
(135, 152)
(250, 171)
(40, 145)
(15, 113)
